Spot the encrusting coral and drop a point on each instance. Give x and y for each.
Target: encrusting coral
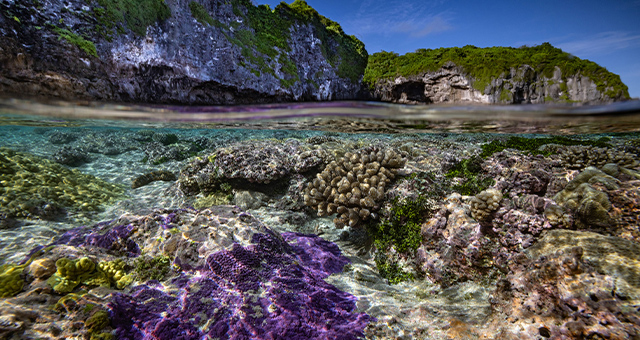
(354, 186)
(561, 296)
(610, 255)
(11, 282)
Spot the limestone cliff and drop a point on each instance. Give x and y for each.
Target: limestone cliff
(491, 76)
(175, 51)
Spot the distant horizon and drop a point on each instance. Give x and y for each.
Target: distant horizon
(605, 33)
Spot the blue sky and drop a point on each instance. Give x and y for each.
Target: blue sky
(606, 32)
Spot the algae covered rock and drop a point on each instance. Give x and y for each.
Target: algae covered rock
(610, 255)
(32, 186)
(260, 162)
(158, 175)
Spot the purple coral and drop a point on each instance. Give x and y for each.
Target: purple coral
(267, 290)
(115, 238)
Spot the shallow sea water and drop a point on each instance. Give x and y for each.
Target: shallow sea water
(119, 143)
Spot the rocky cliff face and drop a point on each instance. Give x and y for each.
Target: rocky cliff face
(451, 84)
(204, 52)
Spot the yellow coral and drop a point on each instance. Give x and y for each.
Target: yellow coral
(10, 281)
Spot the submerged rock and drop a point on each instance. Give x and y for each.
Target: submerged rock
(230, 276)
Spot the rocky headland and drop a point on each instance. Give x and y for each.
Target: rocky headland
(233, 52)
(186, 52)
(494, 75)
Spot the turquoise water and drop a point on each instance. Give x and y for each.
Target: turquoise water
(490, 221)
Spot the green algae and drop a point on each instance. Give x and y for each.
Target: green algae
(137, 15)
(470, 170)
(97, 322)
(391, 270)
(200, 14)
(152, 268)
(532, 145)
(402, 231)
(30, 184)
(86, 45)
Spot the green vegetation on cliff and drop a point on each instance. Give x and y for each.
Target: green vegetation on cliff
(86, 45)
(200, 13)
(136, 14)
(272, 30)
(484, 64)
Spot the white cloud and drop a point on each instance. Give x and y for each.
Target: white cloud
(390, 17)
(599, 44)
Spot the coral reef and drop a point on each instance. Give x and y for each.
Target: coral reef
(265, 161)
(106, 142)
(267, 289)
(31, 186)
(485, 203)
(560, 296)
(158, 175)
(157, 152)
(580, 157)
(243, 281)
(456, 248)
(354, 186)
(589, 204)
(250, 162)
(61, 137)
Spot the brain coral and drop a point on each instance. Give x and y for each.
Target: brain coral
(589, 204)
(31, 186)
(353, 186)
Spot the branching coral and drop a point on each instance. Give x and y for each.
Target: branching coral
(579, 157)
(484, 203)
(354, 186)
